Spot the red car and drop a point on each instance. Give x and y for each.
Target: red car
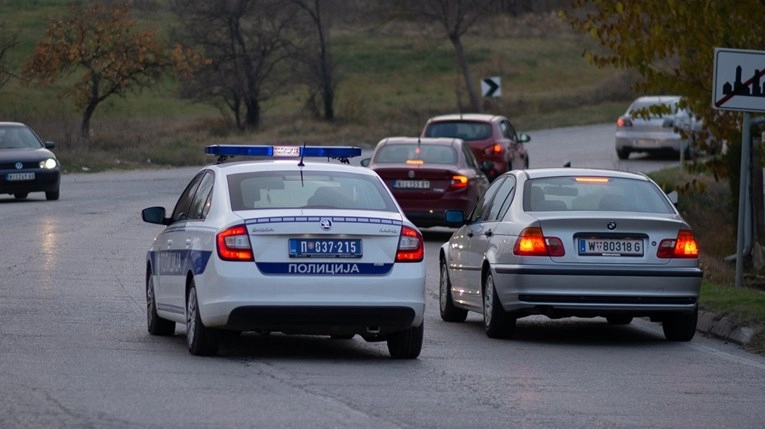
(492, 138)
(429, 176)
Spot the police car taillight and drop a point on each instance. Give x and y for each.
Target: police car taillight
(411, 246)
(234, 244)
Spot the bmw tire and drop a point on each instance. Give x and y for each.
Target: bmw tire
(449, 313)
(681, 327)
(201, 340)
(496, 322)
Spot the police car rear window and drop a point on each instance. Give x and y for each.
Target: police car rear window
(293, 190)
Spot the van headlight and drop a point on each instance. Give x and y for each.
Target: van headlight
(48, 164)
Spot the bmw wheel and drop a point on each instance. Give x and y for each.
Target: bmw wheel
(406, 344)
(201, 341)
(156, 324)
(496, 322)
(52, 195)
(20, 195)
(681, 327)
(623, 153)
(449, 312)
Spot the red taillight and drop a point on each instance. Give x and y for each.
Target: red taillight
(532, 242)
(495, 149)
(624, 122)
(459, 182)
(684, 246)
(234, 244)
(411, 247)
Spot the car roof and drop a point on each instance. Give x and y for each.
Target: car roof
(12, 124)
(483, 117)
(657, 99)
(445, 141)
(536, 173)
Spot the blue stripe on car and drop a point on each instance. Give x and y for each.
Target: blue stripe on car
(178, 262)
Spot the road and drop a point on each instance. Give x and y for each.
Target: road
(74, 351)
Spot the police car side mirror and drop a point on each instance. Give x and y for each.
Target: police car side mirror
(155, 215)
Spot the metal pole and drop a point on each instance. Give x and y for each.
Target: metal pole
(743, 197)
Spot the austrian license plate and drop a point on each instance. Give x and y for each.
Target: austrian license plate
(14, 177)
(411, 184)
(610, 247)
(646, 143)
(324, 248)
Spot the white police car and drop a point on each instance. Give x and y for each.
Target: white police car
(286, 246)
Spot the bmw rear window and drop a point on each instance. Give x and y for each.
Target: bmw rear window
(596, 194)
(307, 189)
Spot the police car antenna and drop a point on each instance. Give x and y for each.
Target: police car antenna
(301, 164)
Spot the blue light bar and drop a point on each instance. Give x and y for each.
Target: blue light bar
(284, 151)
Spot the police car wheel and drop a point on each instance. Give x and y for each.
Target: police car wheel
(156, 324)
(406, 344)
(201, 340)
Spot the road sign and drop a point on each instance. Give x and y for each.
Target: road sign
(738, 80)
(491, 87)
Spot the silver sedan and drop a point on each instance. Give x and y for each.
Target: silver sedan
(570, 242)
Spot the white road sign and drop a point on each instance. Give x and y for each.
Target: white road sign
(739, 82)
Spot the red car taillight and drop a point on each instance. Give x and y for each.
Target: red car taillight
(532, 242)
(411, 246)
(684, 246)
(623, 122)
(458, 182)
(495, 149)
(234, 244)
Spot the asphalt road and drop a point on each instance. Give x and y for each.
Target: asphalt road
(74, 351)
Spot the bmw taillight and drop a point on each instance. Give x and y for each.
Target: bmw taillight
(623, 122)
(532, 242)
(495, 149)
(234, 244)
(459, 182)
(684, 246)
(411, 246)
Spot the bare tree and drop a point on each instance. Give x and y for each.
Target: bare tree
(456, 17)
(7, 42)
(315, 56)
(244, 42)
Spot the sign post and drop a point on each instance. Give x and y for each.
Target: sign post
(739, 86)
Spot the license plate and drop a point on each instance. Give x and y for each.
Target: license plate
(411, 184)
(13, 177)
(324, 248)
(610, 247)
(646, 143)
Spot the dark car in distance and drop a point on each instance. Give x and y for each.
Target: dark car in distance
(429, 176)
(26, 163)
(492, 138)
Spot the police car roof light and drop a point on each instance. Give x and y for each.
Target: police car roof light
(342, 152)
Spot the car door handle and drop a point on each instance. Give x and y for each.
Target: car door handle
(487, 233)
(188, 242)
(470, 234)
(169, 243)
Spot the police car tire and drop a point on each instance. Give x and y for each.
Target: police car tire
(406, 344)
(201, 340)
(449, 313)
(156, 324)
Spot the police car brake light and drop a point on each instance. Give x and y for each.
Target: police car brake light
(284, 151)
(411, 246)
(233, 244)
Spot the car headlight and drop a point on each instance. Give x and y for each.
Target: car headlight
(48, 164)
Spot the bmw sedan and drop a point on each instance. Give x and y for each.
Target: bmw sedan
(26, 163)
(286, 245)
(429, 176)
(567, 242)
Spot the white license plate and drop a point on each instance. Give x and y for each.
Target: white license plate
(411, 184)
(15, 177)
(610, 247)
(646, 143)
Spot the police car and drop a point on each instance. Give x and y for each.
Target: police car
(284, 245)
